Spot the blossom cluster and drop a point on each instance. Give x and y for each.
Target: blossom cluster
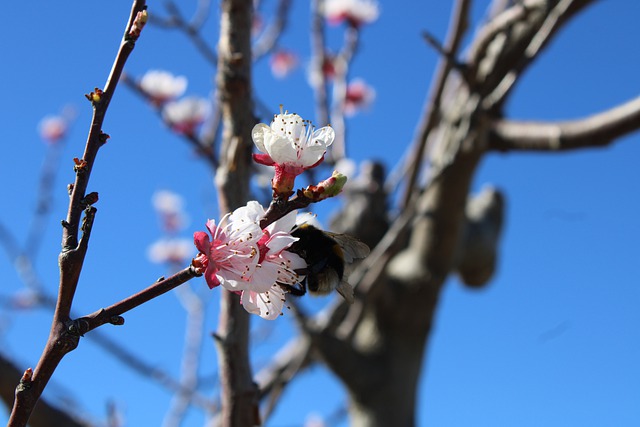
(163, 90)
(240, 256)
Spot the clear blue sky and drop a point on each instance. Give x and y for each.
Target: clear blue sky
(553, 340)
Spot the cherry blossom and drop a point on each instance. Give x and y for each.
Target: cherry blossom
(185, 115)
(170, 208)
(53, 128)
(291, 145)
(354, 12)
(250, 261)
(359, 96)
(276, 267)
(283, 62)
(162, 86)
(170, 251)
(230, 256)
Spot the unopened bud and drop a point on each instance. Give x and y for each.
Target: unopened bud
(330, 187)
(95, 96)
(139, 23)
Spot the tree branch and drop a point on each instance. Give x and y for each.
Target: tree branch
(44, 414)
(595, 131)
(203, 149)
(112, 313)
(60, 340)
(317, 79)
(239, 394)
(457, 30)
(270, 36)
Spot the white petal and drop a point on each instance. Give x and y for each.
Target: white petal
(257, 134)
(280, 148)
(285, 224)
(324, 135)
(264, 276)
(267, 305)
(248, 301)
(279, 242)
(311, 155)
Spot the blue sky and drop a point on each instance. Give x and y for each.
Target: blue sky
(553, 340)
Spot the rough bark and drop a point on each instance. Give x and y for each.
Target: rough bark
(239, 397)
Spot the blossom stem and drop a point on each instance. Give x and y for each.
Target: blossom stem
(112, 313)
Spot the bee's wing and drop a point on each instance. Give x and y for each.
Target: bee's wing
(352, 247)
(346, 290)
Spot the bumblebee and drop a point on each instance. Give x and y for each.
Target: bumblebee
(325, 254)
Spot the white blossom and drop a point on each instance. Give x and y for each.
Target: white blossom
(186, 114)
(170, 251)
(292, 141)
(355, 12)
(162, 86)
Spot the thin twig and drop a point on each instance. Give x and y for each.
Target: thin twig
(432, 107)
(194, 307)
(191, 30)
(50, 166)
(342, 63)
(318, 59)
(204, 150)
(112, 313)
(71, 259)
(269, 38)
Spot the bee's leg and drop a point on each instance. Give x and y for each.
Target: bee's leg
(294, 290)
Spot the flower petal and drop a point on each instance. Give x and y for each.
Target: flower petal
(267, 305)
(211, 277)
(258, 133)
(202, 242)
(324, 136)
(280, 241)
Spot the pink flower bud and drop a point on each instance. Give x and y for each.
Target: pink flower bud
(330, 187)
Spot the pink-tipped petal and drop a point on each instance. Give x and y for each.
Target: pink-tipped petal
(202, 242)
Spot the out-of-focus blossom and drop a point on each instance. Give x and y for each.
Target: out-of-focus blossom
(359, 96)
(162, 86)
(185, 115)
(353, 12)
(53, 128)
(283, 62)
(326, 72)
(314, 420)
(25, 299)
(170, 208)
(230, 255)
(276, 266)
(290, 145)
(170, 251)
(257, 24)
(329, 66)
